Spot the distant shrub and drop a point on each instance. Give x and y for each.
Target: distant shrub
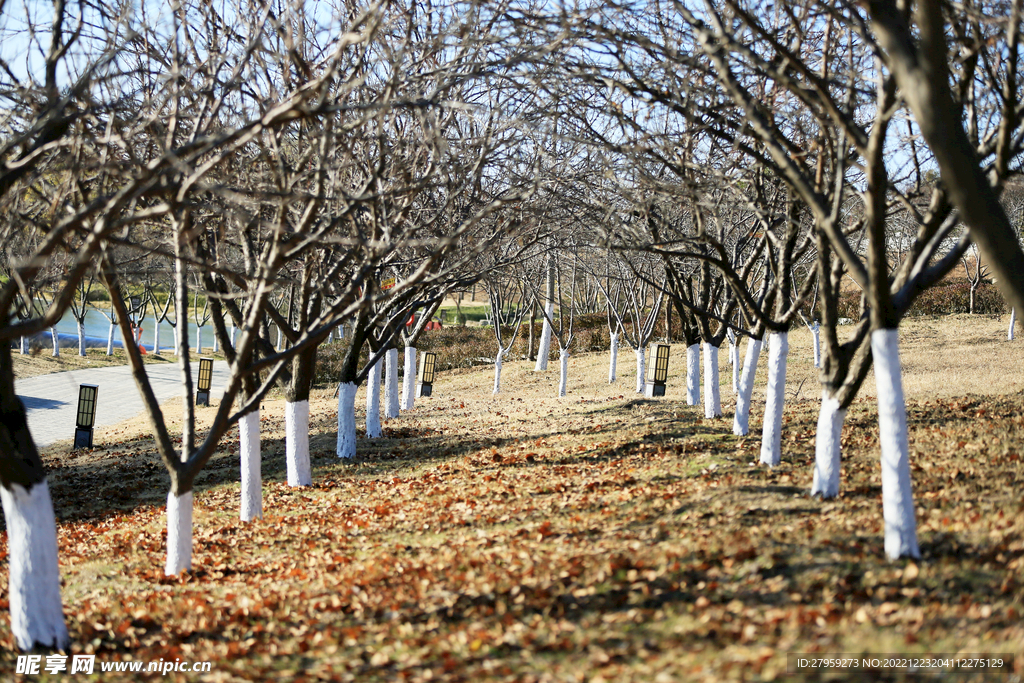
(949, 297)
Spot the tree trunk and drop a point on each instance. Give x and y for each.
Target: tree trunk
(346, 446)
(816, 337)
(23, 346)
(216, 342)
(56, 342)
(970, 305)
(199, 339)
(545, 339)
(712, 397)
(156, 338)
(497, 373)
(563, 356)
(373, 429)
(179, 533)
(613, 363)
(296, 419)
(391, 407)
(897, 496)
(531, 352)
(409, 379)
(37, 615)
(827, 447)
(252, 478)
(693, 375)
(641, 368)
(1009, 332)
(741, 421)
(734, 362)
(771, 435)
(81, 338)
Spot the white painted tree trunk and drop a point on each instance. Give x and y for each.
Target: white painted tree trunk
(693, 375)
(37, 615)
(771, 433)
(341, 331)
(545, 338)
(497, 373)
(827, 460)
(177, 338)
(712, 395)
(734, 362)
(296, 425)
(179, 533)
(391, 407)
(741, 420)
(199, 340)
(24, 346)
(897, 496)
(156, 339)
(252, 477)
(373, 429)
(1013, 323)
(816, 337)
(614, 361)
(330, 336)
(233, 331)
(56, 342)
(346, 420)
(81, 339)
(216, 342)
(641, 368)
(409, 379)
(280, 338)
(563, 356)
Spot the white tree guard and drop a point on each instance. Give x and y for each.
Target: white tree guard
(712, 394)
(156, 338)
(563, 357)
(827, 455)
(56, 342)
(545, 338)
(81, 339)
(1013, 323)
(251, 459)
(741, 420)
(296, 426)
(409, 379)
(693, 375)
(346, 420)
(771, 434)
(373, 429)
(497, 373)
(816, 338)
(179, 533)
(641, 368)
(37, 615)
(897, 496)
(613, 363)
(391, 407)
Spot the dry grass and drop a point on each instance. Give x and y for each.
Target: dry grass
(42, 362)
(523, 537)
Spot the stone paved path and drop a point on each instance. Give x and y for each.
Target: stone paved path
(52, 400)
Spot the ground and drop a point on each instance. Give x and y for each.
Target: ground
(602, 536)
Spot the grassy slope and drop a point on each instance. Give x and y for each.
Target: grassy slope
(600, 536)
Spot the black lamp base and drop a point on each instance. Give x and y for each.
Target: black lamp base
(83, 438)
